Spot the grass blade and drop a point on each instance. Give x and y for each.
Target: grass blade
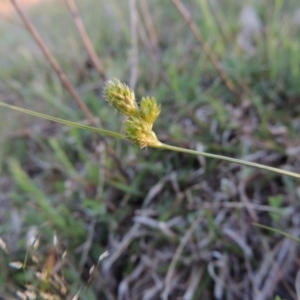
(277, 231)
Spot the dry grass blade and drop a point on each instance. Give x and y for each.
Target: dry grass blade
(297, 284)
(177, 254)
(128, 238)
(85, 38)
(239, 241)
(62, 76)
(246, 200)
(211, 56)
(88, 243)
(194, 281)
(219, 276)
(277, 269)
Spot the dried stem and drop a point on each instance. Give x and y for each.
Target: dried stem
(85, 38)
(149, 25)
(134, 43)
(62, 76)
(145, 39)
(211, 56)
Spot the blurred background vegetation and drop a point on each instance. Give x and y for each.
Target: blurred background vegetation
(175, 226)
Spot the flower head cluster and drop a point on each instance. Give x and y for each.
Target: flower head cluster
(140, 119)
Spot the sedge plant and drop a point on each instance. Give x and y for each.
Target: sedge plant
(138, 125)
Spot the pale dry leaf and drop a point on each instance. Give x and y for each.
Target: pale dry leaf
(3, 245)
(55, 240)
(41, 275)
(35, 259)
(36, 244)
(92, 269)
(31, 237)
(31, 295)
(293, 151)
(103, 256)
(21, 295)
(63, 289)
(64, 254)
(47, 296)
(16, 265)
(75, 297)
(250, 20)
(297, 16)
(29, 287)
(17, 220)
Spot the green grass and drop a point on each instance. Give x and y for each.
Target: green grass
(63, 181)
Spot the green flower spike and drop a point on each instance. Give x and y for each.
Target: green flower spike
(149, 110)
(121, 97)
(140, 133)
(138, 126)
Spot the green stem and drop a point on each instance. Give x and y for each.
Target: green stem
(68, 123)
(160, 146)
(234, 160)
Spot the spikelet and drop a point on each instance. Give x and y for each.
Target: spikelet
(140, 133)
(121, 97)
(149, 110)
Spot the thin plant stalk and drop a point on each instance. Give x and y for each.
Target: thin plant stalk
(65, 122)
(159, 146)
(209, 53)
(85, 38)
(149, 25)
(229, 159)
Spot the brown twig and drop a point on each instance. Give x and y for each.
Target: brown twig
(134, 43)
(211, 56)
(62, 76)
(85, 38)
